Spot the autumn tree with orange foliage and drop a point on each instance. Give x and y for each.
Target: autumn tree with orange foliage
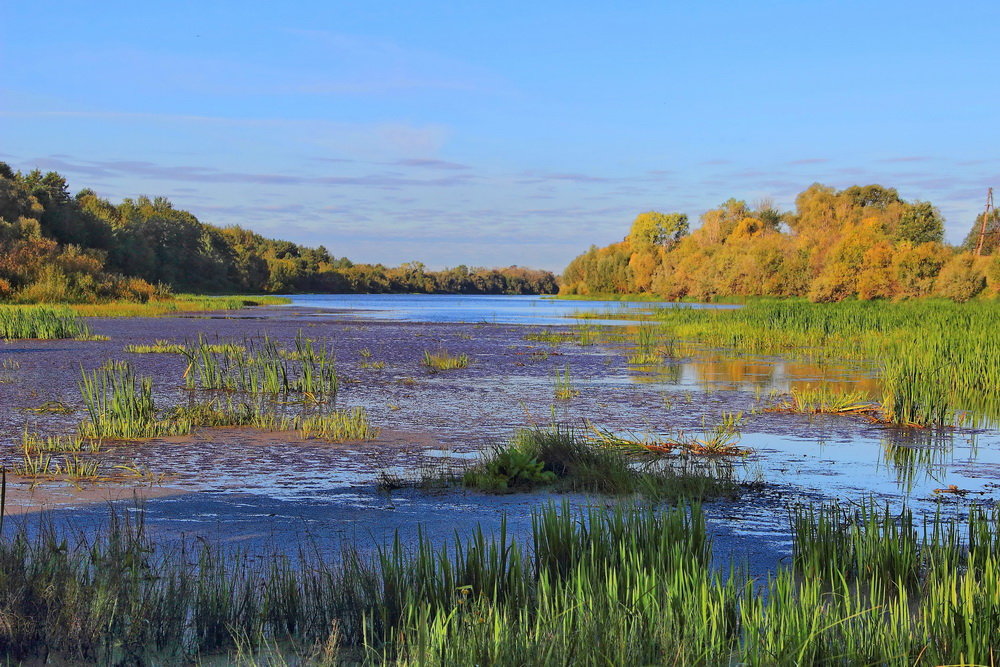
(861, 242)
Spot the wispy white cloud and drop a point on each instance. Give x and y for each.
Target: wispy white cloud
(152, 171)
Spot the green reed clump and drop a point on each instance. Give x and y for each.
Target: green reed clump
(35, 463)
(718, 439)
(262, 367)
(651, 345)
(893, 590)
(913, 391)
(339, 425)
(864, 542)
(635, 583)
(585, 335)
(120, 406)
(19, 322)
(119, 597)
(444, 361)
(562, 458)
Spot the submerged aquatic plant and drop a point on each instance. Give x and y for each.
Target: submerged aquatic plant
(157, 347)
(52, 407)
(166, 347)
(551, 337)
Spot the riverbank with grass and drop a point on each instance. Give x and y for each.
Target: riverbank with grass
(181, 303)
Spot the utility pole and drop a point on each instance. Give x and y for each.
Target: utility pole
(982, 227)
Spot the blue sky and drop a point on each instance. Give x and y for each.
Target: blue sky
(498, 133)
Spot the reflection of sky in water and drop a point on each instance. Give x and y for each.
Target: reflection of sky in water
(471, 308)
(893, 466)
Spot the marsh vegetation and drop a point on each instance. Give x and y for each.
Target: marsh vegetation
(636, 572)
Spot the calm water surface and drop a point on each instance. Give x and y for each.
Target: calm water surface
(472, 308)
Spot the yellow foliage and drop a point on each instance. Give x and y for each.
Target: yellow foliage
(642, 264)
(837, 245)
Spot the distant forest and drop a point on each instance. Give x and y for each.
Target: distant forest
(862, 242)
(58, 247)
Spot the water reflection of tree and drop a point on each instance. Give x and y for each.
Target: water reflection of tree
(720, 372)
(736, 372)
(917, 456)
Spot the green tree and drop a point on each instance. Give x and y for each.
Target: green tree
(921, 223)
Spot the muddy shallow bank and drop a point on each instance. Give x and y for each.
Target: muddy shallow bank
(255, 488)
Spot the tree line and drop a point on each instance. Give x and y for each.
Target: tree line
(861, 242)
(58, 247)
